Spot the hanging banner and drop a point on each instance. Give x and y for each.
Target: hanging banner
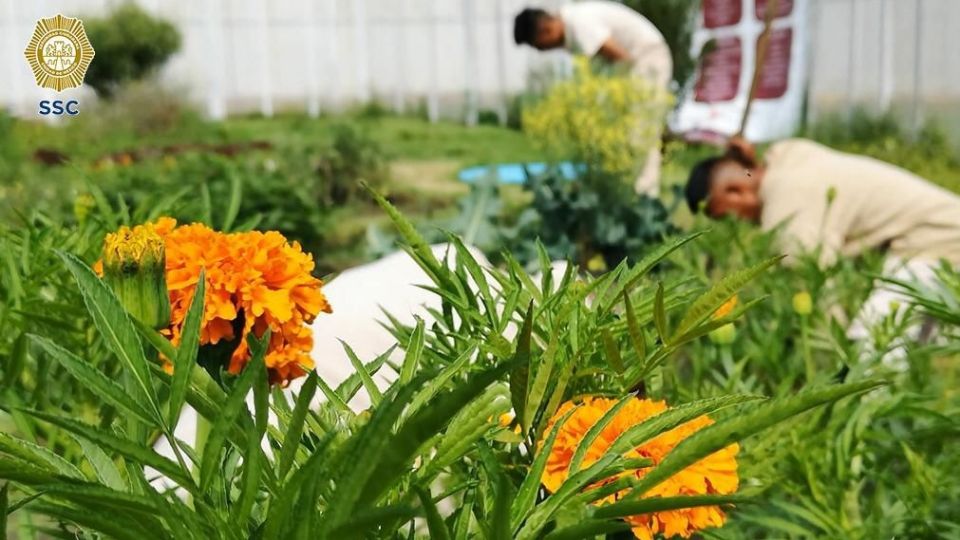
(726, 42)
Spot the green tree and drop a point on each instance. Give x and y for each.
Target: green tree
(130, 44)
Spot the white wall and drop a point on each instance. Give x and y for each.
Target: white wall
(877, 53)
(263, 55)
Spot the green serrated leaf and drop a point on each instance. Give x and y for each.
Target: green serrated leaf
(637, 338)
(520, 375)
(612, 351)
(236, 401)
(419, 248)
(660, 314)
(136, 452)
(233, 202)
(623, 509)
(371, 387)
(440, 381)
(95, 380)
(542, 378)
(634, 274)
(414, 350)
(526, 497)
(591, 435)
(500, 516)
(104, 467)
(291, 440)
(673, 417)
(709, 302)
(415, 431)
(461, 527)
(118, 331)
(590, 528)
(717, 436)
(469, 425)
(352, 384)
(435, 525)
(186, 356)
(38, 455)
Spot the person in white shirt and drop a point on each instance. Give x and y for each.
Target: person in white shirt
(611, 32)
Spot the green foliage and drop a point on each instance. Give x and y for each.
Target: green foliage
(580, 224)
(928, 153)
(861, 468)
(334, 472)
(130, 44)
(11, 151)
(352, 157)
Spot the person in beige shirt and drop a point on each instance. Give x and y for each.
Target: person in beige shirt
(833, 204)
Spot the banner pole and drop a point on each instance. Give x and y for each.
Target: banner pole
(771, 9)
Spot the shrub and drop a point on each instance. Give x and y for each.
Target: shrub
(351, 157)
(606, 123)
(11, 151)
(576, 223)
(928, 153)
(130, 45)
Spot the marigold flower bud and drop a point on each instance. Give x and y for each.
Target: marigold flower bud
(597, 264)
(803, 303)
(82, 206)
(134, 267)
(725, 335)
(831, 195)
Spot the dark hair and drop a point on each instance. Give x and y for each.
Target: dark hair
(698, 184)
(525, 25)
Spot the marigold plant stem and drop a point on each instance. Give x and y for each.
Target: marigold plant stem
(805, 343)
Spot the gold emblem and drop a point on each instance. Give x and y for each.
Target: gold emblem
(59, 53)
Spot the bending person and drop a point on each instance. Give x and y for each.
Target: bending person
(834, 204)
(611, 32)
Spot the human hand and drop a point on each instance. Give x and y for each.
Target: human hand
(740, 147)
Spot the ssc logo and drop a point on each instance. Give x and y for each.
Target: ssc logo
(59, 53)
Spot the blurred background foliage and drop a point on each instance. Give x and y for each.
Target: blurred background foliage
(130, 44)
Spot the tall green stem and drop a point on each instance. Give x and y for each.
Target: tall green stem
(805, 343)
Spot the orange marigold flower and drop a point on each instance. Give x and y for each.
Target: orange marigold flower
(254, 281)
(714, 474)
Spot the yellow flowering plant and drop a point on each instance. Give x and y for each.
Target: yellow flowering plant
(605, 121)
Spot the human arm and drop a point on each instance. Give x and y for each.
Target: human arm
(612, 52)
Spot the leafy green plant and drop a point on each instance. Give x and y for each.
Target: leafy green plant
(130, 44)
(11, 151)
(333, 472)
(352, 157)
(577, 223)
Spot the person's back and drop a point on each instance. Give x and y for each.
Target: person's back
(589, 25)
(871, 204)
